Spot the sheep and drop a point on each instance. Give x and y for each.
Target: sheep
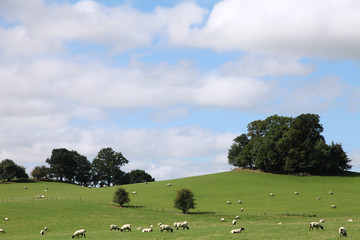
(6, 219)
(169, 184)
(182, 224)
(159, 224)
(222, 219)
(316, 225)
(233, 222)
(42, 232)
(318, 198)
(228, 202)
(272, 195)
(25, 187)
(2, 230)
(239, 202)
(147, 230)
(237, 217)
(45, 228)
(126, 227)
(114, 227)
(342, 231)
(350, 220)
(242, 209)
(139, 228)
(134, 193)
(331, 193)
(333, 206)
(279, 223)
(237, 230)
(40, 196)
(321, 221)
(151, 226)
(165, 227)
(78, 233)
(296, 193)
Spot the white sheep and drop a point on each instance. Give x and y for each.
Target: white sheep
(45, 228)
(134, 193)
(42, 232)
(296, 193)
(279, 223)
(333, 206)
(239, 202)
(6, 219)
(159, 224)
(222, 219)
(342, 231)
(2, 230)
(182, 224)
(321, 221)
(139, 228)
(114, 227)
(350, 220)
(316, 225)
(24, 187)
(78, 233)
(228, 202)
(147, 230)
(151, 226)
(126, 227)
(272, 195)
(237, 230)
(242, 209)
(165, 227)
(237, 217)
(169, 184)
(331, 193)
(233, 222)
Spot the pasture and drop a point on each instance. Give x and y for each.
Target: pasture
(68, 207)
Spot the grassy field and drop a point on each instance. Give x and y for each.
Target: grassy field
(68, 207)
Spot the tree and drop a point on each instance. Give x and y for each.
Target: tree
(106, 166)
(62, 163)
(40, 172)
(9, 170)
(139, 176)
(82, 170)
(184, 200)
(21, 173)
(287, 145)
(121, 197)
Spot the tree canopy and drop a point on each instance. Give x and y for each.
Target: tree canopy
(287, 145)
(139, 176)
(121, 196)
(9, 170)
(184, 200)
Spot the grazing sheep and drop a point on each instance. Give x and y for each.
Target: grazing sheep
(239, 202)
(350, 220)
(321, 221)
(45, 228)
(242, 209)
(165, 227)
(228, 202)
(318, 198)
(40, 196)
(24, 187)
(316, 225)
(42, 232)
(159, 224)
(296, 193)
(6, 219)
(139, 228)
(237, 230)
(126, 227)
(222, 219)
(279, 223)
(2, 230)
(78, 233)
(182, 224)
(134, 193)
(272, 195)
(237, 217)
(114, 227)
(342, 231)
(169, 184)
(147, 230)
(151, 225)
(233, 222)
(333, 206)
(331, 193)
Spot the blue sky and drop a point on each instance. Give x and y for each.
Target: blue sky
(171, 83)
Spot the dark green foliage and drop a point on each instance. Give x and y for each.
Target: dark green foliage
(40, 172)
(10, 170)
(121, 197)
(106, 166)
(139, 176)
(184, 200)
(288, 145)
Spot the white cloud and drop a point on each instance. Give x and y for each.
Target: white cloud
(354, 156)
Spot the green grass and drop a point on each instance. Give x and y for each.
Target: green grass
(68, 207)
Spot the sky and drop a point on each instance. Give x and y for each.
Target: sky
(171, 83)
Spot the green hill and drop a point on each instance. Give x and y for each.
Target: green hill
(66, 208)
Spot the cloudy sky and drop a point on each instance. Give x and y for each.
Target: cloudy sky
(171, 83)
